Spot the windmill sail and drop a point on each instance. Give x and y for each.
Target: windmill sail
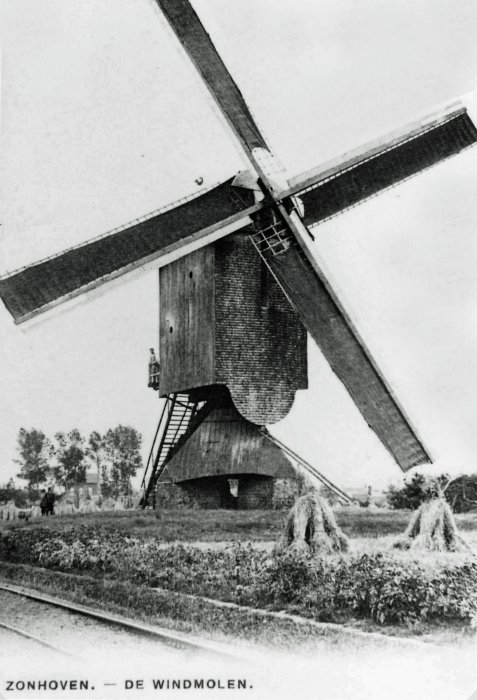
(216, 213)
(345, 352)
(223, 88)
(335, 188)
(39, 287)
(286, 251)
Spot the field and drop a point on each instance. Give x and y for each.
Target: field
(257, 526)
(171, 567)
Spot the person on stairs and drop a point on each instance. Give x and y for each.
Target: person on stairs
(154, 370)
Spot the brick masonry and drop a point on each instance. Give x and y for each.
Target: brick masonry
(260, 345)
(209, 493)
(254, 492)
(224, 320)
(285, 492)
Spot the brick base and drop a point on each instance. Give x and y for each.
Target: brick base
(285, 492)
(209, 493)
(253, 492)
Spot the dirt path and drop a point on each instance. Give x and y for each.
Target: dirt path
(81, 637)
(333, 669)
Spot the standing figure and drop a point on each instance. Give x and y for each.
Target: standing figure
(50, 501)
(154, 370)
(43, 502)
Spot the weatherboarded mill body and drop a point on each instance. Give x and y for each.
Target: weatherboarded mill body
(229, 337)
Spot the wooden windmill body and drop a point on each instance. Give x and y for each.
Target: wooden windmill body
(228, 337)
(239, 289)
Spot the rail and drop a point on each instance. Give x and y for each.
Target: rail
(26, 635)
(166, 636)
(150, 459)
(175, 419)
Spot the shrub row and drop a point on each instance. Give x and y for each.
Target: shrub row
(83, 549)
(382, 586)
(386, 587)
(172, 610)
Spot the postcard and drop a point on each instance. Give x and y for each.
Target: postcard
(238, 349)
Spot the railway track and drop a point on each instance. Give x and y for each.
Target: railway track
(26, 635)
(176, 640)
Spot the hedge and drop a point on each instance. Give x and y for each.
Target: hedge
(385, 587)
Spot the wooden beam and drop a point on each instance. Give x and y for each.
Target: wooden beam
(310, 292)
(309, 467)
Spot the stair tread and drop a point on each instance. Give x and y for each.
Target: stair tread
(177, 420)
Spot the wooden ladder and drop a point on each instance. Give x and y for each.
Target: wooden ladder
(174, 422)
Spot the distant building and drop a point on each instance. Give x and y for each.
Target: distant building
(92, 484)
(367, 495)
(90, 488)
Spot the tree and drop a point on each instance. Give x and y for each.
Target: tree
(71, 453)
(9, 492)
(461, 493)
(122, 447)
(106, 486)
(416, 491)
(410, 496)
(35, 454)
(96, 451)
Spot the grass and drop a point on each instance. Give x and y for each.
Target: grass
(175, 526)
(191, 614)
(367, 530)
(238, 526)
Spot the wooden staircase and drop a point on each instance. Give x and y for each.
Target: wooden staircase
(175, 421)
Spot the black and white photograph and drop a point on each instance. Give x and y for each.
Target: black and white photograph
(238, 349)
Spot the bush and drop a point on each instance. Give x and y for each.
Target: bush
(392, 589)
(416, 491)
(295, 581)
(9, 492)
(386, 587)
(216, 573)
(410, 496)
(462, 493)
(383, 587)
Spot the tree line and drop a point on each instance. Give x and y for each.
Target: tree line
(64, 460)
(460, 492)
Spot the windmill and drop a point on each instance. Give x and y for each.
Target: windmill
(239, 290)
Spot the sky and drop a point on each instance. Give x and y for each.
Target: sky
(104, 120)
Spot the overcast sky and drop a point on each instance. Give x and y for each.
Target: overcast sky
(103, 120)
